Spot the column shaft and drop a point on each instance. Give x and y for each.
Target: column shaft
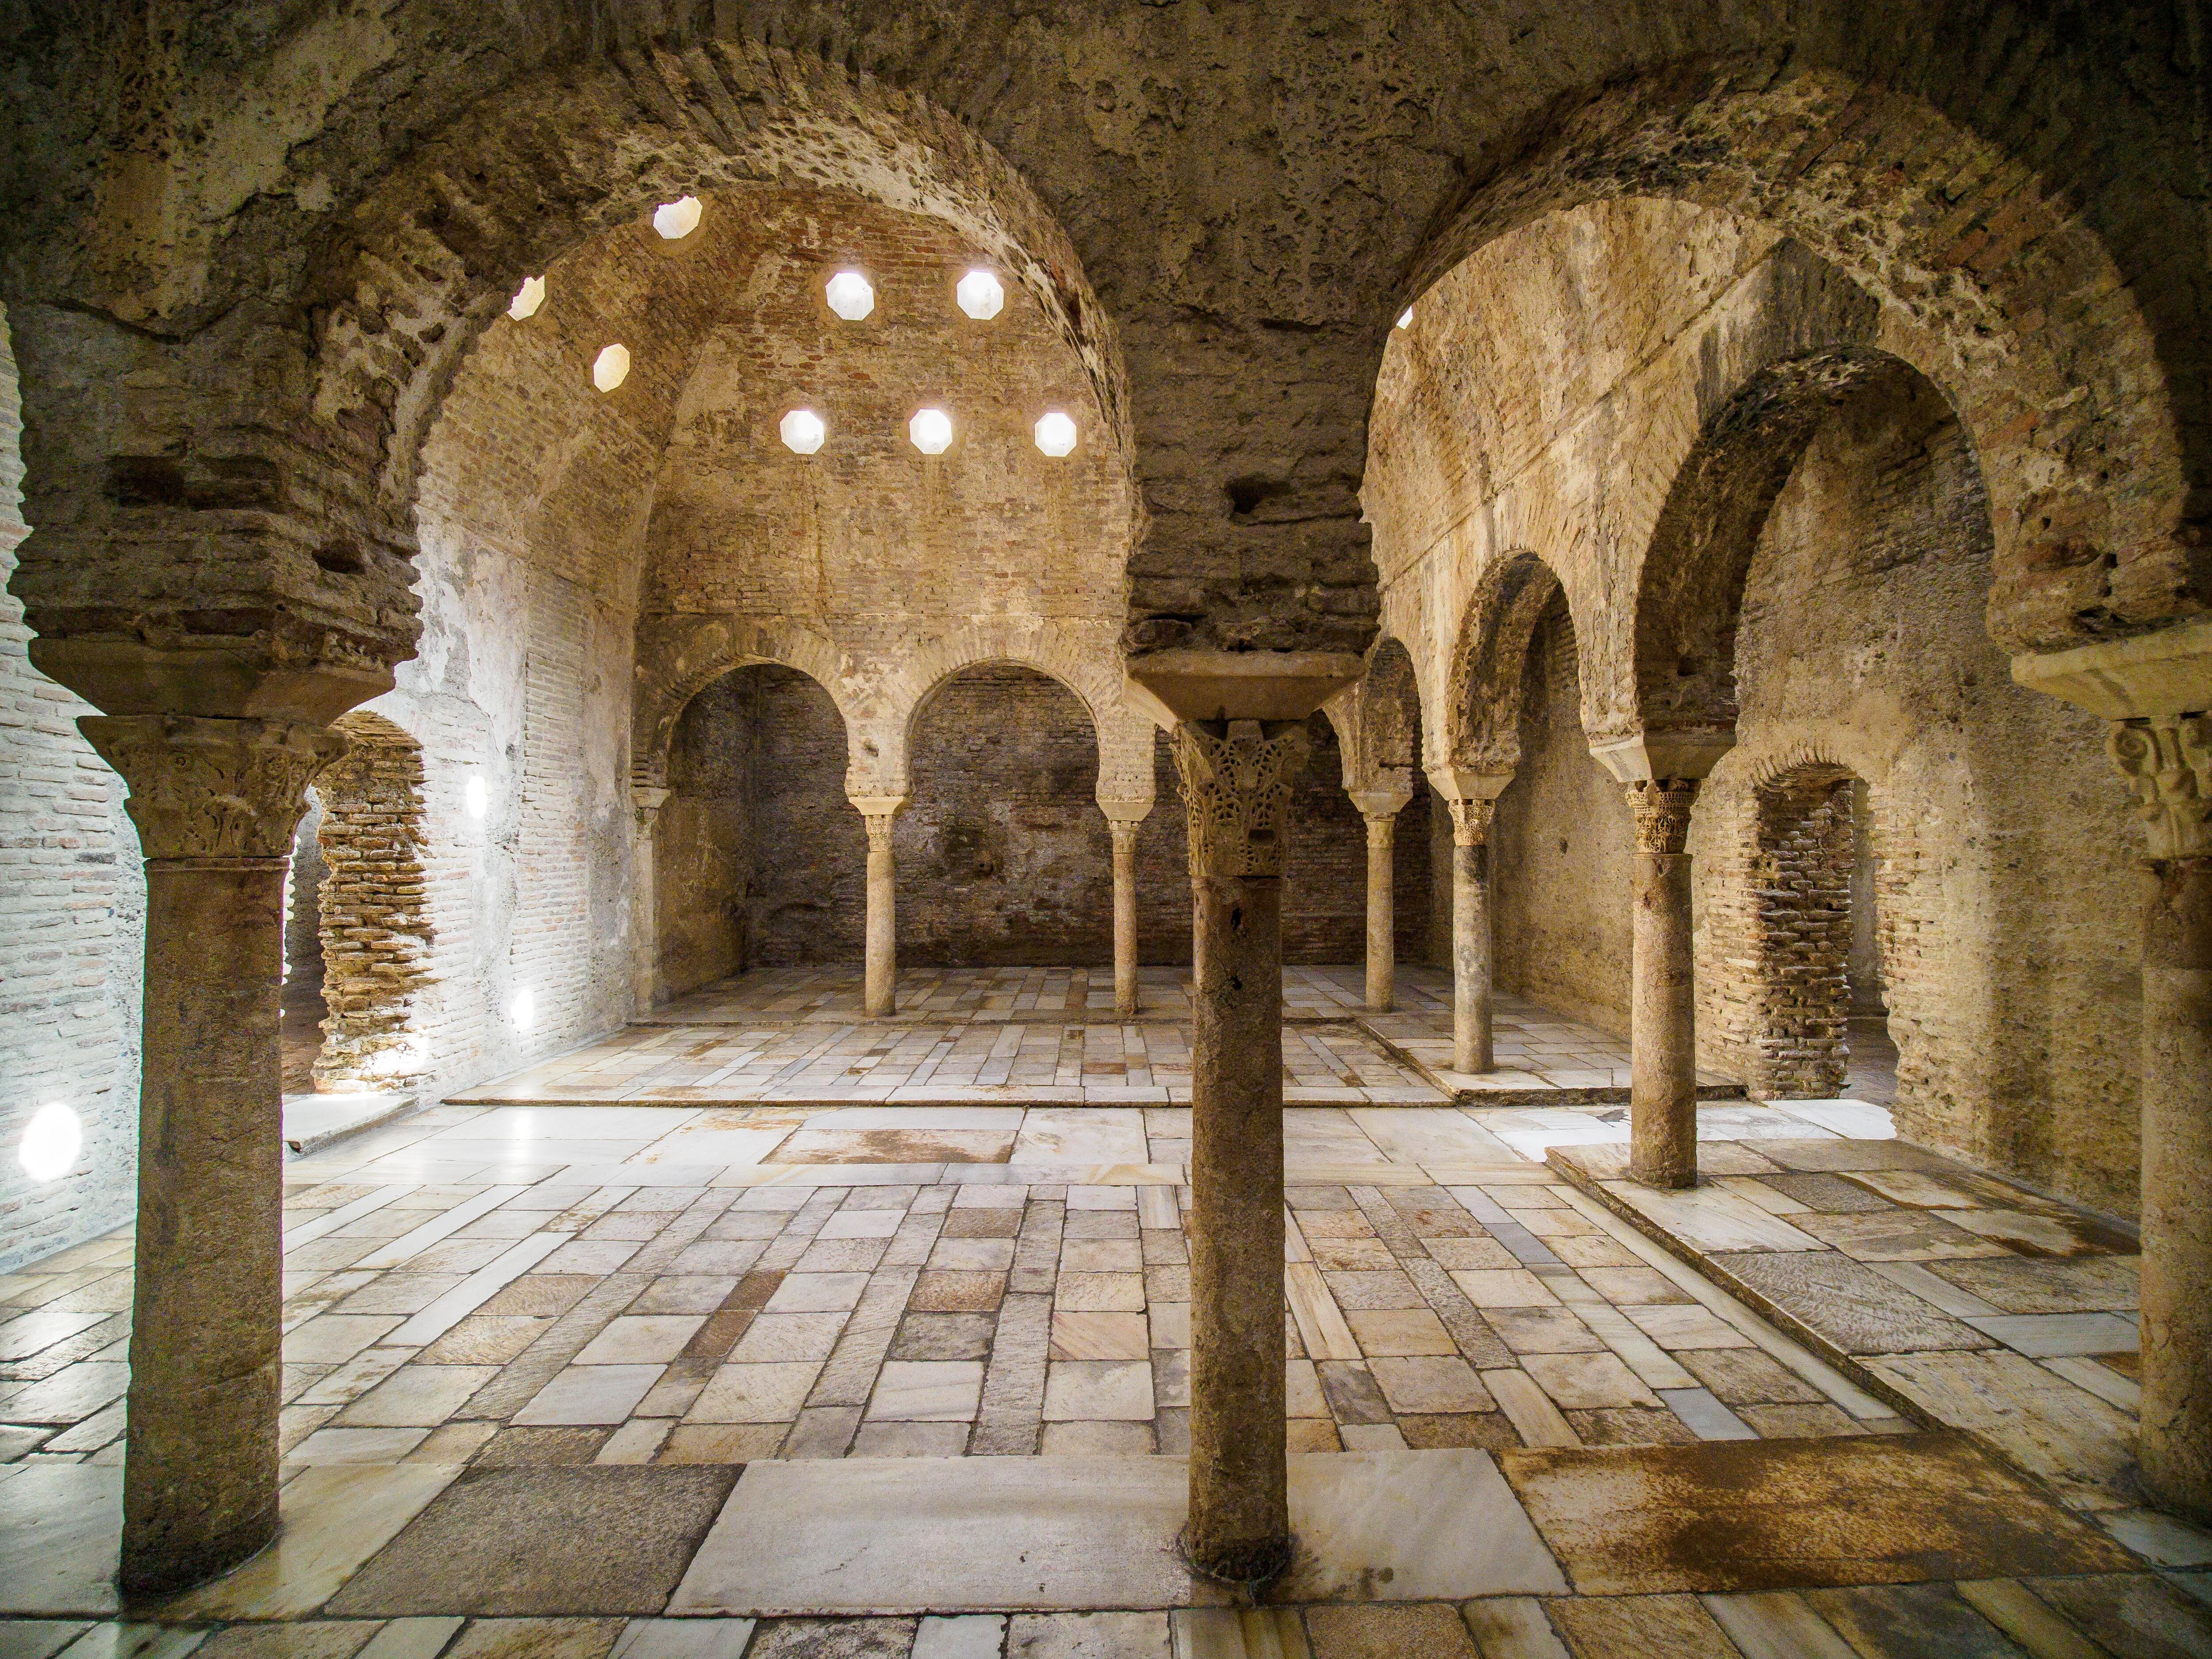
(1236, 787)
(1125, 916)
(645, 907)
(880, 975)
(1471, 965)
(1662, 1011)
(1382, 919)
(2176, 1185)
(1240, 1522)
(215, 802)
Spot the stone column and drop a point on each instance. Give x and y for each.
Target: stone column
(878, 996)
(648, 799)
(1123, 819)
(1471, 956)
(215, 802)
(1663, 1009)
(1471, 797)
(1237, 781)
(2168, 761)
(1380, 808)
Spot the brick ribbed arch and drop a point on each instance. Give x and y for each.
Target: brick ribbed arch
(1987, 277)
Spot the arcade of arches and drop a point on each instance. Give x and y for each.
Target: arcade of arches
(1169, 833)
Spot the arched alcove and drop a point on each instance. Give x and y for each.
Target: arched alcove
(759, 860)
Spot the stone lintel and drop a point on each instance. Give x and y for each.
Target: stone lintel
(1459, 783)
(2168, 672)
(1190, 684)
(1645, 756)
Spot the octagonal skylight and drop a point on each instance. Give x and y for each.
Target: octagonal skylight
(930, 430)
(611, 367)
(678, 219)
(527, 298)
(980, 294)
(802, 431)
(851, 295)
(1055, 432)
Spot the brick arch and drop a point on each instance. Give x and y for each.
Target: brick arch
(2005, 283)
(1378, 720)
(1691, 572)
(1087, 665)
(430, 256)
(1480, 726)
(676, 663)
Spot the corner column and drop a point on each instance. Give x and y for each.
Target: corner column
(1380, 809)
(1123, 819)
(878, 994)
(215, 802)
(1237, 781)
(647, 799)
(2167, 762)
(1662, 1010)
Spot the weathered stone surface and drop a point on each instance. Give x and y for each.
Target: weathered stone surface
(1848, 1302)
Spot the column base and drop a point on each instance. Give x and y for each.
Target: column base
(1665, 1179)
(1249, 1562)
(166, 1567)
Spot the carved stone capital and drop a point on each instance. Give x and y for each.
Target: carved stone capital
(208, 788)
(1381, 830)
(2166, 760)
(1662, 813)
(1236, 788)
(1124, 831)
(1471, 820)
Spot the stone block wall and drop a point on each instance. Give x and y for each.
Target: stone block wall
(1562, 851)
(72, 904)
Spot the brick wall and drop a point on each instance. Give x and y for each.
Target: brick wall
(373, 909)
(72, 906)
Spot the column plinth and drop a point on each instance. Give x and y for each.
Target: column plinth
(2167, 762)
(1237, 783)
(216, 802)
(1662, 1014)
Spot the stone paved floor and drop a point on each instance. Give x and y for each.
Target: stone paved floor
(882, 1362)
(1038, 1035)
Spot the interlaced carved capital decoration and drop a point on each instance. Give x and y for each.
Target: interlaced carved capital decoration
(1471, 822)
(1237, 789)
(2166, 760)
(213, 788)
(1662, 813)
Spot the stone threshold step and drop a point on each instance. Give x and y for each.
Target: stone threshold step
(312, 1123)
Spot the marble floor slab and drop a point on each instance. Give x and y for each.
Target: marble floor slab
(1769, 1514)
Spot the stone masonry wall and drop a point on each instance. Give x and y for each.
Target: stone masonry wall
(2004, 916)
(1563, 848)
(72, 904)
(1801, 891)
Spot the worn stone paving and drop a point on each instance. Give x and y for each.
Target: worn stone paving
(552, 1372)
(1048, 1035)
(1966, 1298)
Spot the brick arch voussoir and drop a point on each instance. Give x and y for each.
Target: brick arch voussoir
(1482, 697)
(671, 677)
(427, 259)
(2064, 364)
